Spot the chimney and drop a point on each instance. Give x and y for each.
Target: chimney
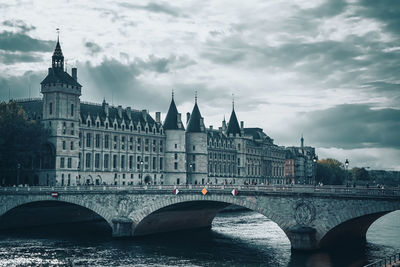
(144, 114)
(241, 125)
(211, 127)
(105, 107)
(75, 74)
(120, 111)
(129, 112)
(158, 117)
(187, 117)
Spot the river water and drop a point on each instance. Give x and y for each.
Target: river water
(236, 239)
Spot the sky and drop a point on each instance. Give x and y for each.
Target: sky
(326, 69)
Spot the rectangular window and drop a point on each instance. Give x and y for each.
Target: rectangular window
(106, 141)
(88, 160)
(146, 161)
(146, 144)
(88, 139)
(62, 163)
(97, 141)
(154, 163)
(123, 162)
(114, 161)
(139, 144)
(106, 159)
(194, 148)
(79, 161)
(63, 145)
(72, 129)
(176, 156)
(97, 160)
(161, 146)
(194, 157)
(69, 163)
(72, 145)
(130, 162)
(161, 164)
(72, 110)
(50, 108)
(175, 165)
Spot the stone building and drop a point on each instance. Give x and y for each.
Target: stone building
(304, 165)
(102, 144)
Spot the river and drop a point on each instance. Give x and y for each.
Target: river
(236, 239)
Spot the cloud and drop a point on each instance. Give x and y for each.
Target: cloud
(163, 8)
(18, 86)
(12, 58)
(93, 48)
(19, 24)
(352, 126)
(10, 41)
(385, 10)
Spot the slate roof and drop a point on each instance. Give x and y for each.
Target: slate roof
(257, 134)
(233, 125)
(194, 125)
(59, 76)
(171, 120)
(34, 109)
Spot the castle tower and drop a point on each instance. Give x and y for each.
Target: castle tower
(61, 109)
(196, 148)
(175, 154)
(234, 131)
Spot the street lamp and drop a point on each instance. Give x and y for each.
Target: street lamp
(141, 172)
(18, 167)
(190, 173)
(315, 159)
(346, 163)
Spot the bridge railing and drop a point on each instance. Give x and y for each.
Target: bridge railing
(320, 190)
(388, 261)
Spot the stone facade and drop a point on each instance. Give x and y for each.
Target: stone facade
(102, 144)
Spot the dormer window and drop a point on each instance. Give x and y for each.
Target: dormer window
(97, 124)
(115, 126)
(106, 125)
(123, 127)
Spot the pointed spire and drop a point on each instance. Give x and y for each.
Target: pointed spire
(58, 58)
(172, 94)
(195, 97)
(195, 121)
(233, 124)
(171, 120)
(233, 101)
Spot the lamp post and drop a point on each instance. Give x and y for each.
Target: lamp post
(346, 163)
(18, 167)
(190, 173)
(315, 159)
(141, 172)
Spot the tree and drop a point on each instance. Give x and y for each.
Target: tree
(20, 142)
(330, 171)
(360, 174)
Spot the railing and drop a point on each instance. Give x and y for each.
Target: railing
(393, 260)
(319, 190)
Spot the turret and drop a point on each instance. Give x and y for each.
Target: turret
(175, 146)
(196, 147)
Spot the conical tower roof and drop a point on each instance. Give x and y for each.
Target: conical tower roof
(233, 125)
(194, 125)
(171, 121)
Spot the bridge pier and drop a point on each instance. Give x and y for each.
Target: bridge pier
(303, 238)
(122, 227)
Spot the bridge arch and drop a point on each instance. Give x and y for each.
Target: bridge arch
(89, 205)
(352, 226)
(146, 217)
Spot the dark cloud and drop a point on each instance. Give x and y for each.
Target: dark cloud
(352, 126)
(10, 41)
(386, 11)
(19, 24)
(18, 86)
(93, 48)
(163, 8)
(12, 58)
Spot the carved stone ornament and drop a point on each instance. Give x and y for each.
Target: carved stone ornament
(304, 212)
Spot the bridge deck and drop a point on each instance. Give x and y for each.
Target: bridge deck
(219, 189)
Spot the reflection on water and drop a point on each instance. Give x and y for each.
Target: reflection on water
(237, 239)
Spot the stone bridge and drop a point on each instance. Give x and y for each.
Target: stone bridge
(311, 217)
